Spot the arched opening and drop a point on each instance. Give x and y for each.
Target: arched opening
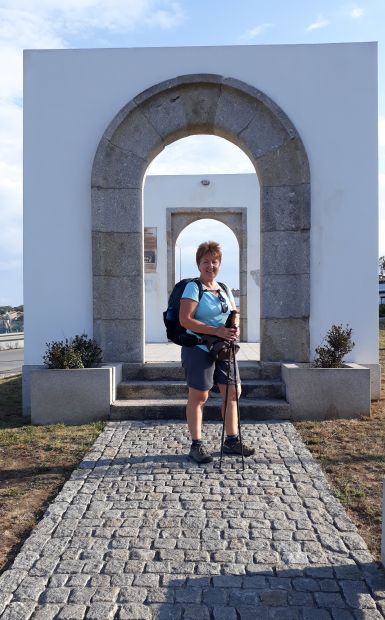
(183, 253)
(202, 230)
(189, 105)
(191, 185)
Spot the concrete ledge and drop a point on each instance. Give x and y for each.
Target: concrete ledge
(73, 396)
(327, 393)
(14, 340)
(375, 380)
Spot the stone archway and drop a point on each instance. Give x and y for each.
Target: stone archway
(235, 219)
(187, 105)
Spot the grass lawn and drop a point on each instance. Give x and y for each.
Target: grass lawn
(35, 461)
(352, 454)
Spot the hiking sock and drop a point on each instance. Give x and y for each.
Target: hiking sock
(196, 442)
(231, 439)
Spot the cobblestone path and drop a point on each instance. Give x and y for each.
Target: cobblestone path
(138, 532)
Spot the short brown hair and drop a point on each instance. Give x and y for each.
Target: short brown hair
(208, 246)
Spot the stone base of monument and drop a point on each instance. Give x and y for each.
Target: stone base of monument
(74, 396)
(327, 393)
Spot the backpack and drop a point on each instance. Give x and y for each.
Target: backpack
(175, 332)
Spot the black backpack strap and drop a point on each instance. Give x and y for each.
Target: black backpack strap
(201, 291)
(200, 287)
(225, 288)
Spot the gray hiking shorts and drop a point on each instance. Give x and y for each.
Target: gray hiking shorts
(201, 373)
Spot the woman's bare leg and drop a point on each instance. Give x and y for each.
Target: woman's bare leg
(231, 424)
(194, 411)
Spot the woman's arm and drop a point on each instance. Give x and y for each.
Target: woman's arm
(186, 319)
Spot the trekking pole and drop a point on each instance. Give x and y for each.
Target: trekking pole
(224, 415)
(237, 399)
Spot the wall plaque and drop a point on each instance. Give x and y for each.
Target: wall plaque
(150, 249)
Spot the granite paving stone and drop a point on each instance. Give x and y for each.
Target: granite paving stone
(140, 532)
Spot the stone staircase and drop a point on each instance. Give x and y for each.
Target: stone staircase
(158, 391)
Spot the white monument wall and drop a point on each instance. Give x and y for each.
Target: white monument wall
(329, 91)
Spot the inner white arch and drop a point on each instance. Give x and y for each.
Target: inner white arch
(204, 230)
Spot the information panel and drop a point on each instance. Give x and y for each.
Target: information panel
(150, 249)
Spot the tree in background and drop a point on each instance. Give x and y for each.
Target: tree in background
(15, 315)
(381, 267)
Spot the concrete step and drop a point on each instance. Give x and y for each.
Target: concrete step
(173, 371)
(251, 388)
(153, 409)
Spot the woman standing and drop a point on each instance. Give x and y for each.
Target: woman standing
(208, 316)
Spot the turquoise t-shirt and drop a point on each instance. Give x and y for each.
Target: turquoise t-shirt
(209, 307)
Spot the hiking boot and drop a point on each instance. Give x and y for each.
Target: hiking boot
(199, 454)
(234, 447)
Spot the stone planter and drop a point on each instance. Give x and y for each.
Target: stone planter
(327, 393)
(73, 396)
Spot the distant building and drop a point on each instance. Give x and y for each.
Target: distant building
(381, 287)
(11, 321)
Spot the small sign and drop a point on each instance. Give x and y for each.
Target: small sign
(150, 249)
(150, 257)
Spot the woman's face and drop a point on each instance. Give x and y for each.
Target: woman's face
(209, 266)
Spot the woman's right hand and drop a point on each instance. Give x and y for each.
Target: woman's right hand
(227, 333)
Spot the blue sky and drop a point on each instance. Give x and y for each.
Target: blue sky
(43, 24)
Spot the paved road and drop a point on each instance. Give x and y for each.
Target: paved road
(139, 532)
(11, 360)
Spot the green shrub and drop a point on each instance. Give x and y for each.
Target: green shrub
(78, 352)
(382, 309)
(88, 349)
(338, 343)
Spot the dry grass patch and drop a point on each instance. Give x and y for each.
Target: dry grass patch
(382, 334)
(35, 461)
(352, 454)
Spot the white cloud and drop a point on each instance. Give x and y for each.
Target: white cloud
(10, 182)
(11, 128)
(72, 16)
(381, 183)
(381, 130)
(356, 12)
(255, 32)
(201, 155)
(320, 22)
(23, 29)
